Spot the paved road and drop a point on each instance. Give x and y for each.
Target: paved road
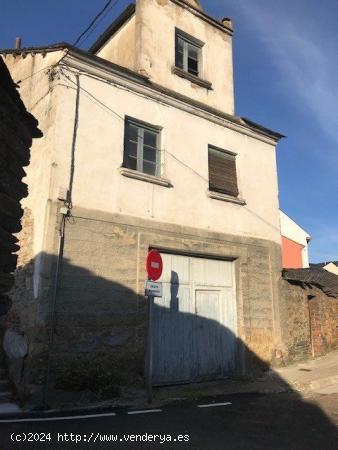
(277, 422)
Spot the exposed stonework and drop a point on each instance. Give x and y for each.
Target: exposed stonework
(95, 342)
(22, 291)
(17, 128)
(21, 318)
(295, 318)
(25, 238)
(310, 321)
(101, 314)
(324, 322)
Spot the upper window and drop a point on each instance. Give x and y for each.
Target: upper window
(188, 53)
(222, 171)
(142, 147)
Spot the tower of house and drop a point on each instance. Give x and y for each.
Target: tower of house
(176, 45)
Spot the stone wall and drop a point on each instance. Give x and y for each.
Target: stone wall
(309, 320)
(100, 329)
(21, 293)
(296, 334)
(17, 130)
(324, 323)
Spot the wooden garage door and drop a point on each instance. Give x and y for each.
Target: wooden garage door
(195, 321)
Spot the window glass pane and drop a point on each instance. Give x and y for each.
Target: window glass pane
(193, 52)
(193, 66)
(180, 44)
(179, 53)
(131, 148)
(132, 132)
(140, 152)
(150, 138)
(149, 168)
(131, 163)
(149, 154)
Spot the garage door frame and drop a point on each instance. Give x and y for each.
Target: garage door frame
(194, 287)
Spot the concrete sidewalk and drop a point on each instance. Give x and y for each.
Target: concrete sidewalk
(318, 375)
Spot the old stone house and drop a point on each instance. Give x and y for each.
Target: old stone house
(309, 313)
(142, 149)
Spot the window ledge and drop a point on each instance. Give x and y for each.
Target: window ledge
(144, 177)
(189, 76)
(225, 197)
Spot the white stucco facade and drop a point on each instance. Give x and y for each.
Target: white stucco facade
(184, 138)
(107, 94)
(186, 134)
(160, 18)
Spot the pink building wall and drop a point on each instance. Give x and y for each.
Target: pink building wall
(291, 254)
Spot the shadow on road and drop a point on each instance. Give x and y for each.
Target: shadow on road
(96, 334)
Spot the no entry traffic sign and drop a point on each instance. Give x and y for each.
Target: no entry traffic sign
(154, 265)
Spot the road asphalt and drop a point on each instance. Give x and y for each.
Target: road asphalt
(283, 421)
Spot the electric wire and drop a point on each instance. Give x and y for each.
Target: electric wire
(47, 69)
(179, 161)
(99, 21)
(96, 18)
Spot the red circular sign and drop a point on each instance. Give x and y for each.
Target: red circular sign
(154, 265)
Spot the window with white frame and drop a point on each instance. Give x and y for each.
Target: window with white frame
(142, 147)
(188, 53)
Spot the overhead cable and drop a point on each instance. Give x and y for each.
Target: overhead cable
(96, 18)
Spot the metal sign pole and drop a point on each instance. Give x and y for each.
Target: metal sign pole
(150, 350)
(154, 267)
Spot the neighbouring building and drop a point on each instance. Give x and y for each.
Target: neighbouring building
(17, 130)
(309, 298)
(330, 266)
(142, 149)
(295, 242)
(309, 313)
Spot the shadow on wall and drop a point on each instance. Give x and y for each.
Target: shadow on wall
(17, 130)
(97, 343)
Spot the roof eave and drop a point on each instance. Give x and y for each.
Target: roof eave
(138, 78)
(113, 28)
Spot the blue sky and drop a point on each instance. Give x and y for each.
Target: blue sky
(286, 78)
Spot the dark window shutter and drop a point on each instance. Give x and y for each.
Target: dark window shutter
(222, 172)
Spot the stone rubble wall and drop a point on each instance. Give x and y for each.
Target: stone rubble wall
(17, 130)
(309, 320)
(101, 314)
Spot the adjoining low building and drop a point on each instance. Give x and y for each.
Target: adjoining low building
(309, 298)
(330, 266)
(295, 242)
(142, 149)
(309, 311)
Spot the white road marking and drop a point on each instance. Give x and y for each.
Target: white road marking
(51, 419)
(209, 405)
(146, 411)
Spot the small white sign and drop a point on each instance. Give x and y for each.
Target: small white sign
(153, 289)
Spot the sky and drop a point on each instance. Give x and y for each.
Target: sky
(286, 78)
